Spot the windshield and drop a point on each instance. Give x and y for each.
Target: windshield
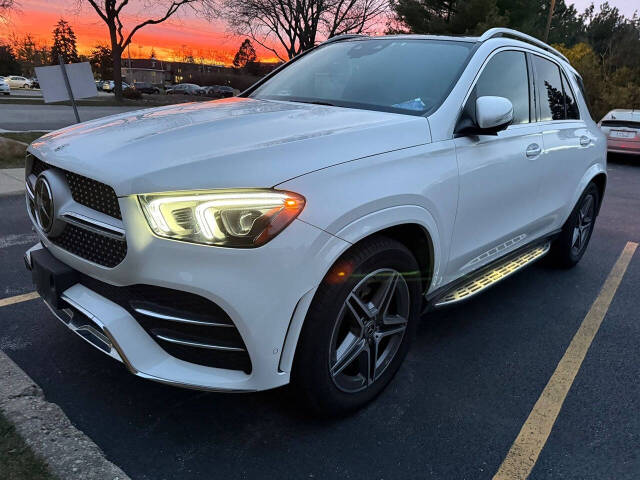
(396, 75)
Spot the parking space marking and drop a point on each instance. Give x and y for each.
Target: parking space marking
(527, 446)
(18, 298)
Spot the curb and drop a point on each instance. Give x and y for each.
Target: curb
(68, 452)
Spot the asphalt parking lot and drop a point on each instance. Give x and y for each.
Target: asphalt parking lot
(452, 412)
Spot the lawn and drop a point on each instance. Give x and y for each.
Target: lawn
(17, 461)
(12, 153)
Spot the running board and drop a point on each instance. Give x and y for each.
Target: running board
(490, 277)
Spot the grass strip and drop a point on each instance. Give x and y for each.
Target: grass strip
(17, 461)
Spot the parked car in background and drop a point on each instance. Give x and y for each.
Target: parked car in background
(109, 86)
(185, 89)
(622, 128)
(99, 84)
(219, 91)
(4, 87)
(146, 87)
(16, 81)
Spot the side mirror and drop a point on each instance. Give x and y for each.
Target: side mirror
(493, 114)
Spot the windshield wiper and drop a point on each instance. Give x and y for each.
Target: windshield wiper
(314, 102)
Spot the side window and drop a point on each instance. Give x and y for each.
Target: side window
(569, 100)
(549, 87)
(504, 76)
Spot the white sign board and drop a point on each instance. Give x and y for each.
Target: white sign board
(54, 88)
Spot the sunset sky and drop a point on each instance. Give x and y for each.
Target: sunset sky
(185, 34)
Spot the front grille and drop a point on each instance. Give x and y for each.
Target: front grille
(38, 167)
(210, 323)
(96, 248)
(94, 194)
(91, 246)
(86, 191)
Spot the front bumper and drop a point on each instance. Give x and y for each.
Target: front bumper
(259, 289)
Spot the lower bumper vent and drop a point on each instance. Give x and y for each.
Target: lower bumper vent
(187, 326)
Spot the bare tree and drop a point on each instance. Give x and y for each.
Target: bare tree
(110, 11)
(6, 6)
(298, 24)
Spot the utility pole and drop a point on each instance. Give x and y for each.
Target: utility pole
(131, 81)
(549, 17)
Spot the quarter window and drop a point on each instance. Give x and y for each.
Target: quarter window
(505, 75)
(549, 87)
(569, 100)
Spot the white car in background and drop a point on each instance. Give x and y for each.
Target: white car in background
(16, 81)
(4, 87)
(298, 231)
(622, 128)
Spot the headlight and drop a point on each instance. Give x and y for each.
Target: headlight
(228, 218)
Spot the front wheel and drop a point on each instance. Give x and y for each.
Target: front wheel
(359, 326)
(569, 247)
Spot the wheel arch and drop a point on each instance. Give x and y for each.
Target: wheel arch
(601, 182)
(596, 174)
(419, 236)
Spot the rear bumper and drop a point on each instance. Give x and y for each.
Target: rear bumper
(623, 146)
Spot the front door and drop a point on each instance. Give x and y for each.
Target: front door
(499, 174)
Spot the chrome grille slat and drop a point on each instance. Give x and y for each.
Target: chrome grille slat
(190, 343)
(172, 318)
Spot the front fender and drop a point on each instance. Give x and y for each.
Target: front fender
(390, 217)
(352, 233)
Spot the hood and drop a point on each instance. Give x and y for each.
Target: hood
(232, 143)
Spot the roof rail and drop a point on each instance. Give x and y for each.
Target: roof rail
(508, 32)
(344, 36)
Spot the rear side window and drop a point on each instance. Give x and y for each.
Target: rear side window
(620, 124)
(571, 107)
(549, 87)
(504, 76)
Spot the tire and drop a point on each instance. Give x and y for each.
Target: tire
(569, 247)
(330, 384)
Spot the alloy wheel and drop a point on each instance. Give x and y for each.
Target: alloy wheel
(369, 330)
(583, 225)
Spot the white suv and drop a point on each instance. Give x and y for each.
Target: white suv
(297, 232)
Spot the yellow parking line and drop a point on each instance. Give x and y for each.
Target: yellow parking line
(18, 298)
(525, 450)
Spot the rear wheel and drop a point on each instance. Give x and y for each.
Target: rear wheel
(359, 326)
(569, 247)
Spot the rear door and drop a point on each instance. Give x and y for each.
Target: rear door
(498, 174)
(569, 146)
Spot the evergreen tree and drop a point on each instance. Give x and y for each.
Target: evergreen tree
(245, 56)
(8, 63)
(64, 43)
(102, 62)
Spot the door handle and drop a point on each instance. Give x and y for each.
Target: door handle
(584, 140)
(533, 150)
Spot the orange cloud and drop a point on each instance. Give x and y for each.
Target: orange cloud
(179, 37)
